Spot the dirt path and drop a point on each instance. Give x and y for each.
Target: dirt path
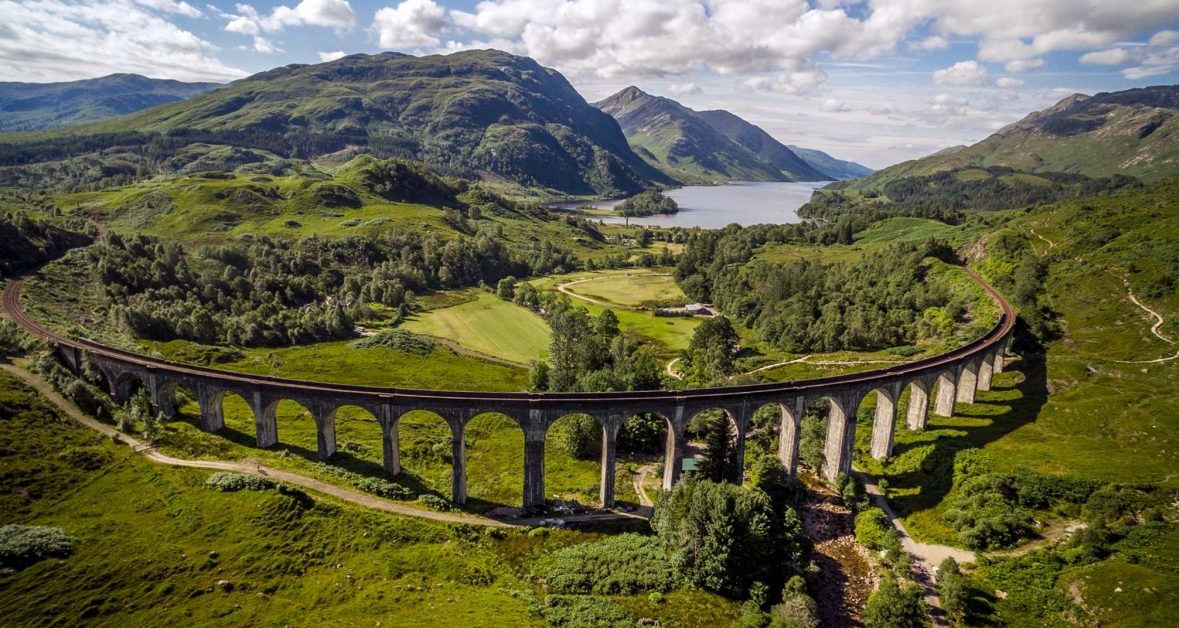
(672, 372)
(640, 482)
(925, 556)
(1154, 329)
(1051, 244)
(846, 576)
(255, 467)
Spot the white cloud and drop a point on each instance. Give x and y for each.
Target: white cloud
(1015, 67)
(934, 42)
(945, 104)
(684, 89)
(411, 24)
(967, 73)
(835, 106)
(1113, 56)
(880, 110)
(332, 56)
(1007, 82)
(56, 40)
(171, 6)
(1164, 38)
(786, 83)
(335, 14)
(264, 46)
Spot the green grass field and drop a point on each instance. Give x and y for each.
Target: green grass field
(153, 542)
(487, 325)
(630, 289)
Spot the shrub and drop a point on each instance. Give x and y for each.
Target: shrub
(230, 482)
(22, 545)
(384, 488)
(952, 589)
(398, 340)
(873, 529)
(434, 502)
(894, 606)
(584, 612)
(797, 609)
(619, 565)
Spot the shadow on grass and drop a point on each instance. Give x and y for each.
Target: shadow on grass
(935, 474)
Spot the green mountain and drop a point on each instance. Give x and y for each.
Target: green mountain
(1133, 132)
(762, 144)
(685, 145)
(37, 106)
(837, 169)
(478, 114)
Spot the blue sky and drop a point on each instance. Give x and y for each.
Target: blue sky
(877, 81)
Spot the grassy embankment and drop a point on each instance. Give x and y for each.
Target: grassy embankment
(1090, 406)
(153, 542)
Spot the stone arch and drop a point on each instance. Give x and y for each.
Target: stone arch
(430, 446)
(358, 432)
(124, 383)
(574, 442)
(841, 433)
(736, 420)
(502, 452)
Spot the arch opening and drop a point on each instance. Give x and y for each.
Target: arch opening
(713, 448)
(425, 453)
(494, 461)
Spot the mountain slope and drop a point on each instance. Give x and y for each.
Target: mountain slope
(678, 141)
(837, 169)
(471, 113)
(37, 106)
(1133, 132)
(762, 144)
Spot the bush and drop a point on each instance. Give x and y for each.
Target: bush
(231, 482)
(384, 488)
(952, 589)
(398, 340)
(894, 606)
(873, 530)
(22, 545)
(619, 565)
(434, 502)
(797, 609)
(584, 612)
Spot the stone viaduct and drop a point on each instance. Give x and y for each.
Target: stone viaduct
(946, 379)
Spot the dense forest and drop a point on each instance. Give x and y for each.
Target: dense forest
(26, 242)
(806, 305)
(262, 292)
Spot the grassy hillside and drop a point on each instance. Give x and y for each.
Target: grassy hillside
(1132, 132)
(488, 325)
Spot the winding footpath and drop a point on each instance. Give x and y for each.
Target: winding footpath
(1154, 329)
(256, 468)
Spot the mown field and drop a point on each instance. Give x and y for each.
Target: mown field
(487, 325)
(156, 546)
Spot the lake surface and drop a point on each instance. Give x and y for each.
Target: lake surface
(714, 206)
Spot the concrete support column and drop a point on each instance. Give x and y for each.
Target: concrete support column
(789, 433)
(985, 372)
(265, 425)
(947, 385)
(609, 459)
(533, 471)
(741, 421)
(967, 382)
(162, 395)
(999, 361)
(210, 401)
(390, 420)
(673, 453)
(458, 463)
(325, 430)
(918, 406)
(841, 436)
(883, 424)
